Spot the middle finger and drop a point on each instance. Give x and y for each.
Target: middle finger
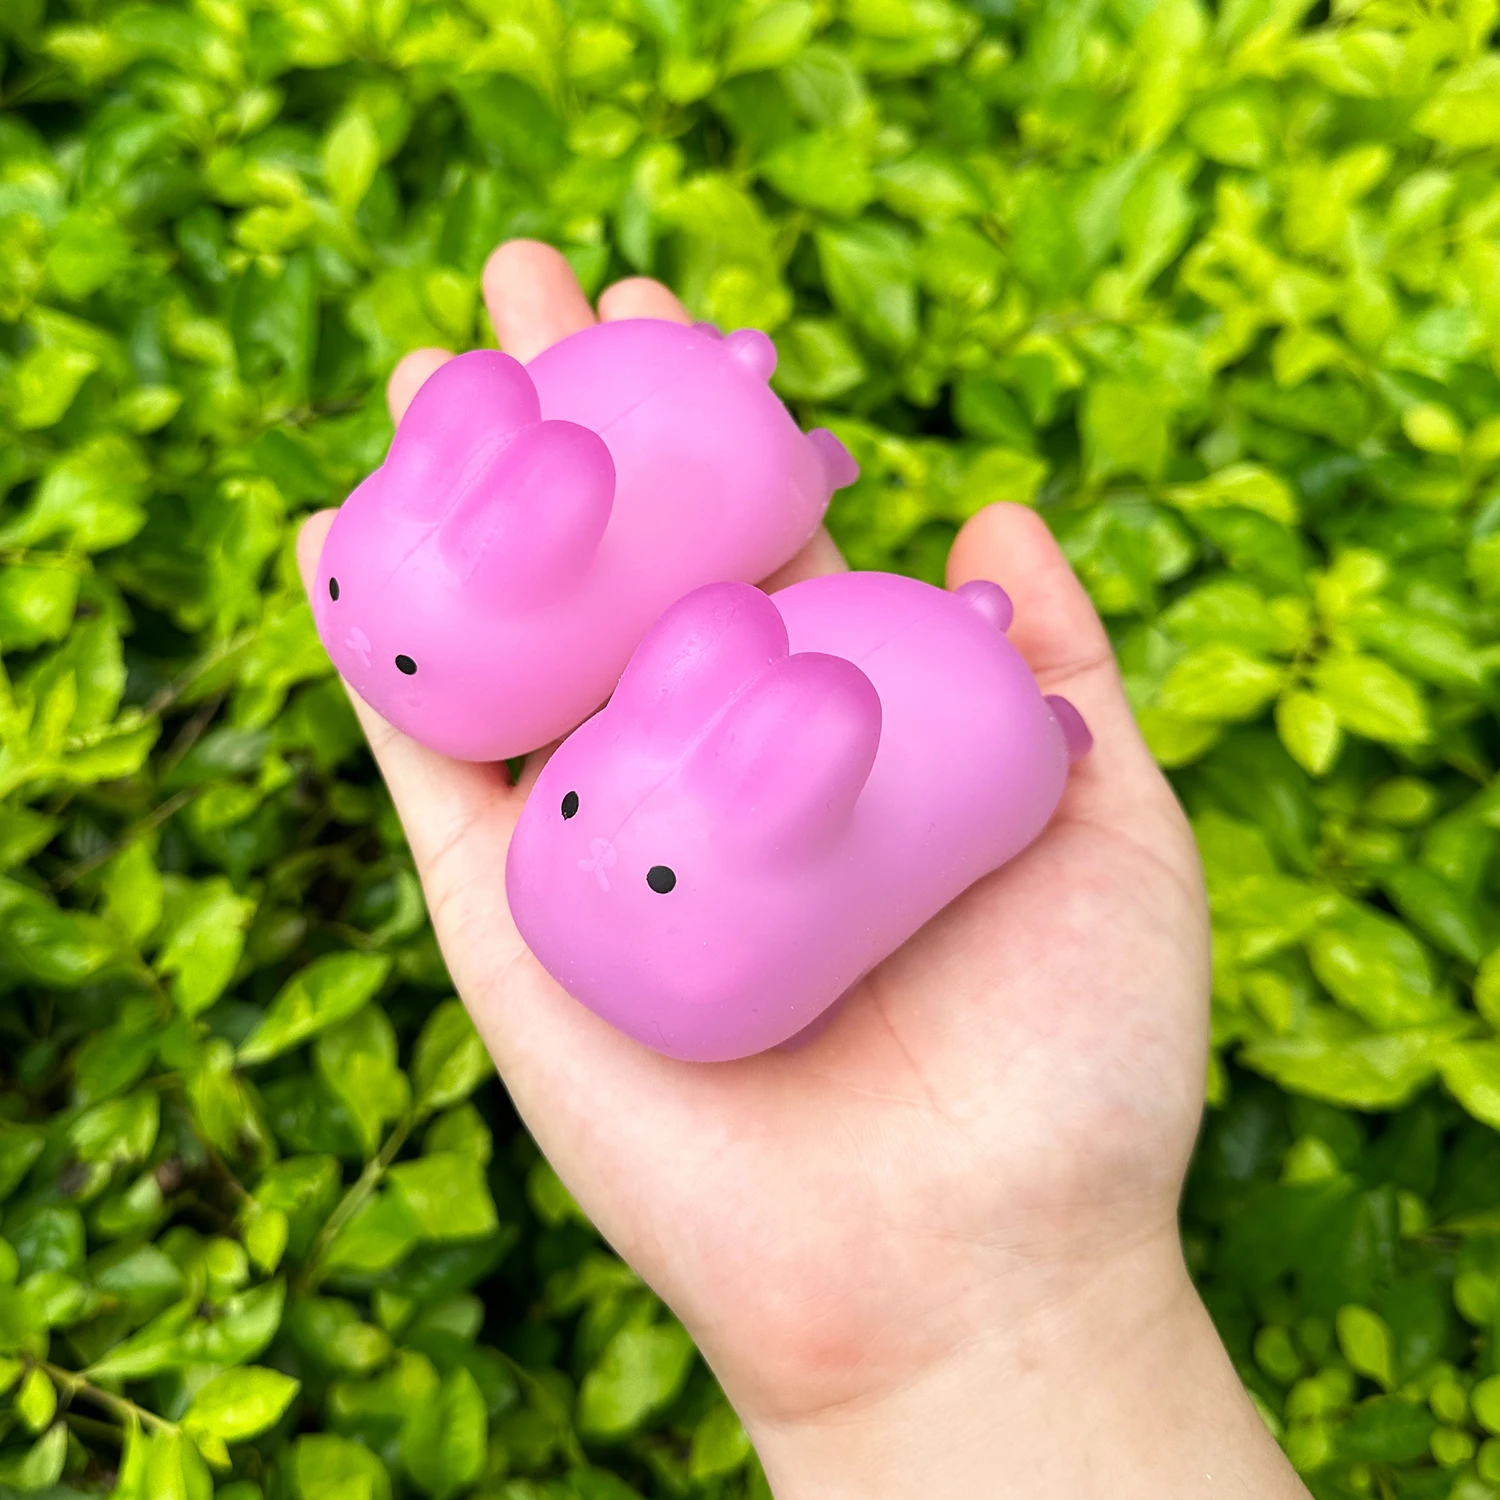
(533, 298)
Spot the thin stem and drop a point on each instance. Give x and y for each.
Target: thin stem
(158, 815)
(216, 1162)
(547, 1399)
(211, 658)
(73, 1384)
(354, 1200)
(192, 731)
(93, 1428)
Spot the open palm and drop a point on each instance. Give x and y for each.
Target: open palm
(1000, 1112)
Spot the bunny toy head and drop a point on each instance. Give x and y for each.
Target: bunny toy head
(481, 514)
(677, 849)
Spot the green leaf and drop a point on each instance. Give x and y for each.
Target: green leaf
(1218, 684)
(461, 1130)
(46, 382)
(1154, 220)
(1387, 1430)
(327, 991)
(1309, 728)
(449, 1061)
(826, 172)
(1373, 699)
(1242, 486)
(1486, 1002)
(205, 936)
(870, 270)
(133, 891)
(1331, 1055)
(720, 1445)
(816, 360)
(36, 605)
(36, 1400)
(357, 1060)
(443, 1440)
(769, 36)
(174, 1471)
(351, 157)
(1438, 909)
(241, 1327)
(266, 1232)
(22, 833)
(20, 1145)
(1433, 428)
(151, 1349)
(45, 943)
(1465, 112)
(41, 1466)
(826, 87)
(1375, 968)
(1367, 1345)
(226, 1113)
(92, 496)
(1125, 430)
(928, 188)
(118, 1131)
(46, 1236)
(1225, 611)
(1471, 1071)
(380, 1235)
(23, 1326)
(142, 1276)
(640, 1371)
(446, 1196)
(1484, 1402)
(331, 1332)
(959, 265)
(240, 1404)
(325, 1467)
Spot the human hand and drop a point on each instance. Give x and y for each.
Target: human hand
(932, 1250)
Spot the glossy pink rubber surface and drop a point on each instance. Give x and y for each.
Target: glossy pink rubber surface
(483, 588)
(781, 791)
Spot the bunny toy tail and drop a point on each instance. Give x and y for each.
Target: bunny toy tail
(838, 463)
(1075, 731)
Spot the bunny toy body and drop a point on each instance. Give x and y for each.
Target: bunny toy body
(780, 792)
(483, 588)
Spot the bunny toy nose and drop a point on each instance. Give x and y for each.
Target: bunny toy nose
(602, 857)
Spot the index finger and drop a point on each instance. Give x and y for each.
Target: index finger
(1058, 631)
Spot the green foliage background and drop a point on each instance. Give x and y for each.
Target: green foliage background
(1218, 288)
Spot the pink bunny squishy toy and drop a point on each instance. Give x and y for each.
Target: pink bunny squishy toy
(484, 587)
(780, 792)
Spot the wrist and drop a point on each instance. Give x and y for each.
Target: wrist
(1117, 1389)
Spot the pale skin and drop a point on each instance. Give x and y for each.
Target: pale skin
(932, 1252)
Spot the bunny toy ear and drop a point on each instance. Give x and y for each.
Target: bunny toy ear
(463, 407)
(696, 657)
(530, 513)
(785, 765)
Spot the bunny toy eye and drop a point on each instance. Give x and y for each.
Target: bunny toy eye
(406, 665)
(661, 879)
(333, 589)
(570, 805)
